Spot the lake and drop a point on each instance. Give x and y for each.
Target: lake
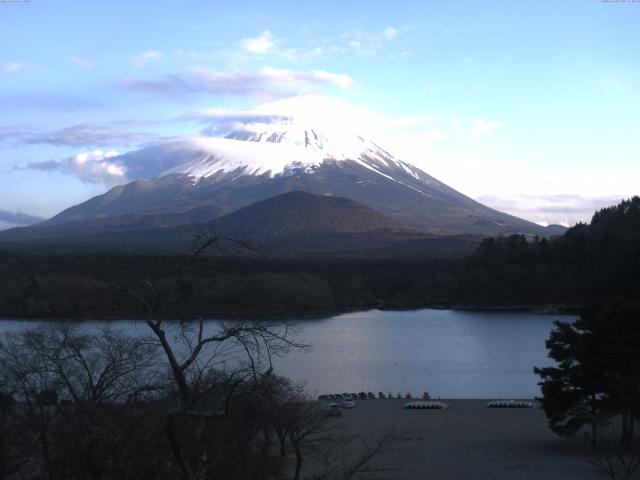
(449, 353)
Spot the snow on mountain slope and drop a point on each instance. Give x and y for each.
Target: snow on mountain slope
(276, 150)
(209, 156)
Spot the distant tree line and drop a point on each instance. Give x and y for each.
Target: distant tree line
(589, 263)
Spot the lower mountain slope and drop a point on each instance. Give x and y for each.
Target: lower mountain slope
(298, 212)
(292, 224)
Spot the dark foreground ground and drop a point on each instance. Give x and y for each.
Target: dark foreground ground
(470, 441)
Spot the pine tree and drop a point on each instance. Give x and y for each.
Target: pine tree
(597, 375)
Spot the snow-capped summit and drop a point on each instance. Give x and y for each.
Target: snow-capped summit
(334, 142)
(277, 145)
(280, 137)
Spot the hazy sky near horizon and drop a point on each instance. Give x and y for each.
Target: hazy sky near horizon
(530, 107)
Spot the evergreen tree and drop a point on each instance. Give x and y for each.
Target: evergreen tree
(597, 375)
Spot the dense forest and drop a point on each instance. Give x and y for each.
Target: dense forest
(589, 263)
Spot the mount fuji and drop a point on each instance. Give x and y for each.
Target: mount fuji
(204, 178)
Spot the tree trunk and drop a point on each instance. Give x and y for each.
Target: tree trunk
(266, 446)
(626, 441)
(178, 373)
(42, 435)
(176, 448)
(296, 476)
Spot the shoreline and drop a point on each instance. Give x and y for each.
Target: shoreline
(253, 316)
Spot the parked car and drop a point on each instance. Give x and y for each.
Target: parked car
(333, 410)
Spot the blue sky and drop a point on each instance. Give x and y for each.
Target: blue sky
(531, 107)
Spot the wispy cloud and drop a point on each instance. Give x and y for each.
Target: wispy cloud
(17, 219)
(266, 83)
(266, 45)
(112, 168)
(560, 209)
(390, 32)
(94, 167)
(475, 126)
(81, 135)
(366, 42)
(142, 59)
(11, 67)
(81, 62)
(301, 80)
(259, 45)
(49, 100)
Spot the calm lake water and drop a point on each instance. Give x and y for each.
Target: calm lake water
(449, 353)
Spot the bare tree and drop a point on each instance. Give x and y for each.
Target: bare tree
(12, 458)
(107, 367)
(35, 390)
(66, 384)
(242, 349)
(249, 346)
(309, 422)
(317, 440)
(279, 394)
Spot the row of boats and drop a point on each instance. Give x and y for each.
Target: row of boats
(437, 405)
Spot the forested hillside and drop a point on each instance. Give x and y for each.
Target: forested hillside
(588, 264)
